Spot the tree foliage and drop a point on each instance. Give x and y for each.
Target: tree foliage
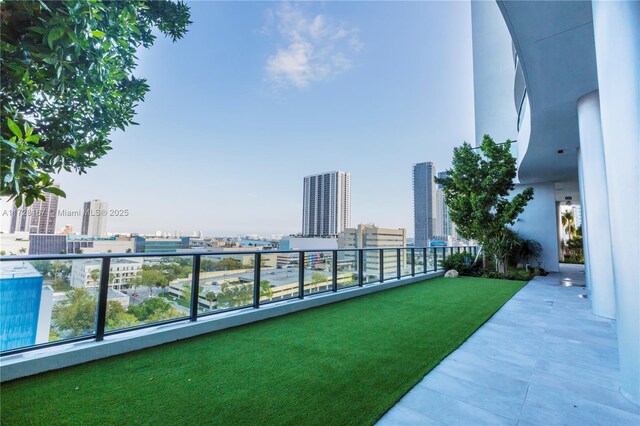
(150, 278)
(225, 264)
(154, 309)
(67, 83)
(232, 295)
(479, 192)
(76, 314)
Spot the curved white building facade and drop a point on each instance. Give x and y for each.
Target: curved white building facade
(574, 73)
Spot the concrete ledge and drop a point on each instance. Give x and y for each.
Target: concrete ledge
(52, 358)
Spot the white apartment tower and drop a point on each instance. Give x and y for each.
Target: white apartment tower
(444, 226)
(38, 218)
(94, 218)
(327, 204)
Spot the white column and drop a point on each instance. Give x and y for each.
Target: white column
(617, 34)
(585, 230)
(597, 236)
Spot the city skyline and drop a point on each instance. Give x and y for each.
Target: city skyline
(223, 143)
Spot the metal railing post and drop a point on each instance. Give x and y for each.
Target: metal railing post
(301, 275)
(360, 267)
(103, 292)
(399, 272)
(256, 280)
(334, 271)
(444, 254)
(413, 262)
(381, 265)
(195, 287)
(435, 259)
(424, 260)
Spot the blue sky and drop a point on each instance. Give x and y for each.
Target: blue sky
(260, 94)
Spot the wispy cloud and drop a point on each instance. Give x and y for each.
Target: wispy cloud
(311, 48)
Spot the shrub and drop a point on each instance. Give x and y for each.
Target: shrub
(461, 262)
(525, 249)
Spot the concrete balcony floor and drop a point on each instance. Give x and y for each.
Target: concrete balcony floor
(543, 359)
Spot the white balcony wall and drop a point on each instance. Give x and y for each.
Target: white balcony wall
(538, 222)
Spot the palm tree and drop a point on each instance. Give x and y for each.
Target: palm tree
(94, 275)
(568, 223)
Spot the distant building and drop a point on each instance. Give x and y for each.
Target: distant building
(121, 272)
(14, 243)
(444, 226)
(67, 230)
(372, 236)
(314, 246)
(94, 218)
(424, 203)
(25, 306)
(327, 204)
(160, 245)
(38, 218)
(95, 245)
(47, 244)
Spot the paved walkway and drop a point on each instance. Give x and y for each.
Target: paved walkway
(543, 359)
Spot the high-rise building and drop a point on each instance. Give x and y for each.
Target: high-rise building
(94, 218)
(424, 203)
(38, 218)
(327, 204)
(444, 226)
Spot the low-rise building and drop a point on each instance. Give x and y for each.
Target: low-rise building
(85, 273)
(14, 244)
(372, 236)
(47, 244)
(160, 245)
(314, 247)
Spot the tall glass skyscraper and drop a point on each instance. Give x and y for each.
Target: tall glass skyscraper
(327, 204)
(424, 203)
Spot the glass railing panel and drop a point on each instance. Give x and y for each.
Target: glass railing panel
(226, 282)
(440, 255)
(371, 266)
(390, 264)
(279, 277)
(318, 275)
(141, 290)
(420, 261)
(405, 262)
(431, 256)
(40, 302)
(347, 269)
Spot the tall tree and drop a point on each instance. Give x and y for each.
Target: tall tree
(479, 192)
(568, 223)
(67, 83)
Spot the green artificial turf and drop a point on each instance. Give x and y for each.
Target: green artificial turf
(345, 363)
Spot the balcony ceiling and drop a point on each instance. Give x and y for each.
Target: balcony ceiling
(555, 45)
